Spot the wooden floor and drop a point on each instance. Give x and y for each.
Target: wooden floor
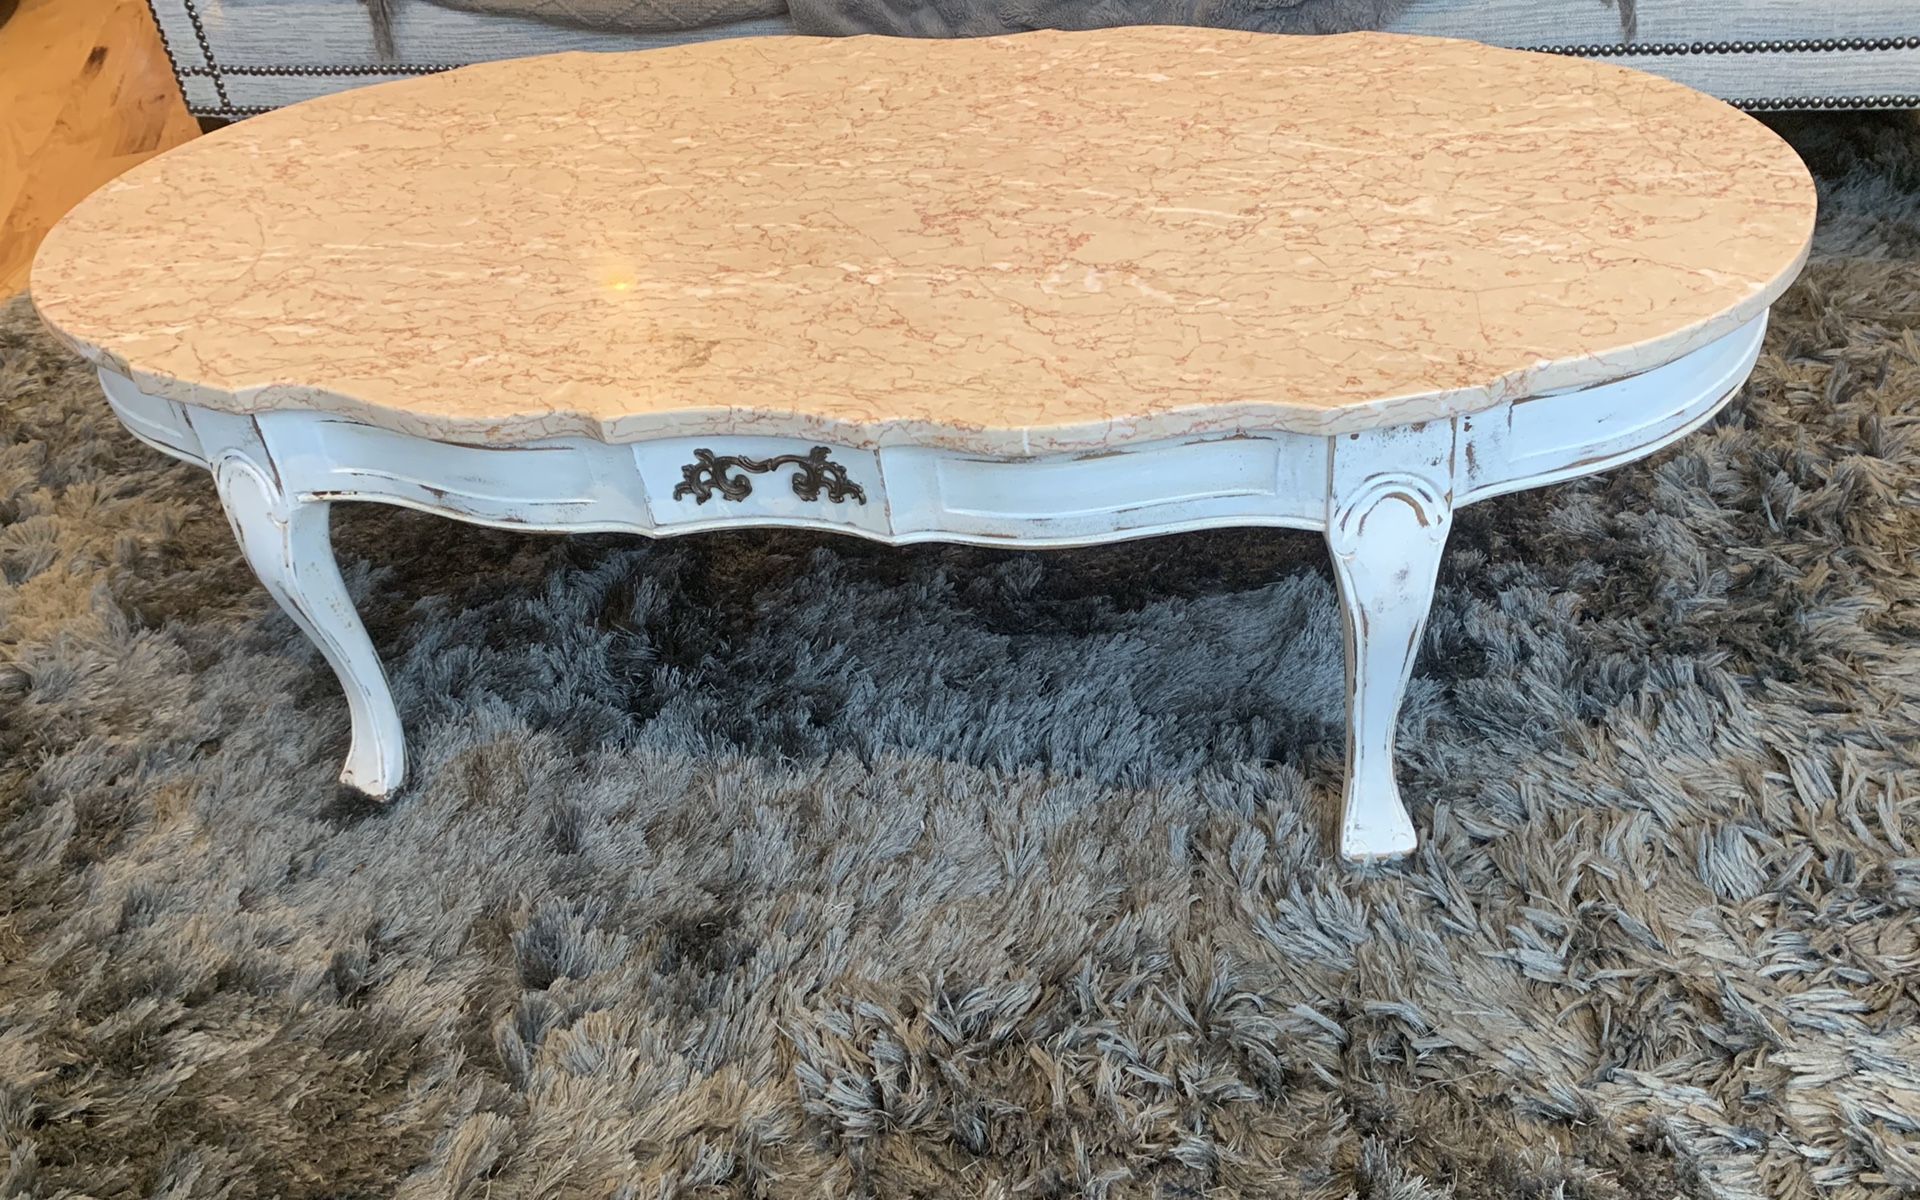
(85, 93)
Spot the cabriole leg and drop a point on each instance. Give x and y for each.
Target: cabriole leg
(285, 540)
(1386, 535)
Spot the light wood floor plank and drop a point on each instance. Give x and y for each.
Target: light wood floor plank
(85, 93)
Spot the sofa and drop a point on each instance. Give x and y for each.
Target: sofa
(238, 57)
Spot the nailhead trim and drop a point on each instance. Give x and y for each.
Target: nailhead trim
(1803, 45)
(309, 72)
(1825, 103)
(166, 45)
(206, 48)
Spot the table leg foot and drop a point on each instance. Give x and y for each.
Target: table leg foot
(286, 542)
(1386, 541)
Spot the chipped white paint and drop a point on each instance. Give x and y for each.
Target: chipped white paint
(1384, 498)
(1389, 507)
(285, 540)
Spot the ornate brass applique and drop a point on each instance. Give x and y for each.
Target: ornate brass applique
(707, 474)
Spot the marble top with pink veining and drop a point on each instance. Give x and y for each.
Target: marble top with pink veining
(1046, 242)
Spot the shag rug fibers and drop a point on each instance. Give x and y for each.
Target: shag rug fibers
(777, 865)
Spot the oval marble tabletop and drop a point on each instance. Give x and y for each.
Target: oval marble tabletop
(1046, 242)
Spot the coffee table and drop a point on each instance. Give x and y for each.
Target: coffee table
(1042, 290)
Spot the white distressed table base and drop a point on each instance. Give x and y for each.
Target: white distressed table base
(1384, 498)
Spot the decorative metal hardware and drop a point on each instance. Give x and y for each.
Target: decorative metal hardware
(707, 474)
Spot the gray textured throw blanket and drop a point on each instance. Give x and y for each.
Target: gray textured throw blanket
(945, 18)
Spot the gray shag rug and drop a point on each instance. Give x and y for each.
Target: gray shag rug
(774, 865)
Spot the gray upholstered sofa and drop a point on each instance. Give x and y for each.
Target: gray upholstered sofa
(236, 57)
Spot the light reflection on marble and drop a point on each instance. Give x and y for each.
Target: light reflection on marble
(1048, 242)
